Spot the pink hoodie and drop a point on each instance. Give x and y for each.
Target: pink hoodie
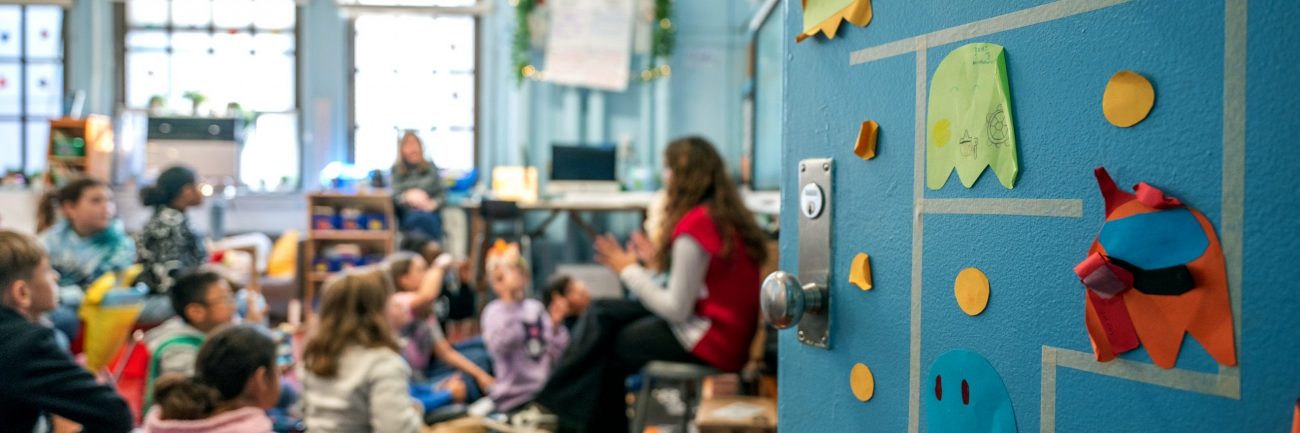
(242, 420)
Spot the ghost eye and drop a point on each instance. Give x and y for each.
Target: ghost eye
(965, 392)
(938, 388)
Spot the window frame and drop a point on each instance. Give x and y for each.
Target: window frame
(23, 118)
(120, 29)
(476, 12)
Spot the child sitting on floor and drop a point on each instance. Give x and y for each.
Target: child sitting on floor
(521, 337)
(203, 302)
(235, 381)
(566, 298)
(410, 312)
(356, 380)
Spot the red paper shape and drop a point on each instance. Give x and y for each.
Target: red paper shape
(1160, 321)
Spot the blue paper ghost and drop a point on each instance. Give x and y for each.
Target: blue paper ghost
(965, 395)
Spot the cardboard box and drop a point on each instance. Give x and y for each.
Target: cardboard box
(737, 415)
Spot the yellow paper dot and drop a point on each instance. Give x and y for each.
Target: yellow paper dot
(862, 382)
(941, 133)
(1128, 99)
(860, 272)
(972, 291)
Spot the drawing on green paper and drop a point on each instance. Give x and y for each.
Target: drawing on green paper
(970, 107)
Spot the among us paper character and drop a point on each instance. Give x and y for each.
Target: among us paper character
(1154, 273)
(966, 395)
(968, 118)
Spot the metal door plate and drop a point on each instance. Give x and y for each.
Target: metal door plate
(815, 245)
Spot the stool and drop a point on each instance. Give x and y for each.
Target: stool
(687, 377)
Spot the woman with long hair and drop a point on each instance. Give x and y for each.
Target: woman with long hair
(356, 379)
(417, 188)
(711, 248)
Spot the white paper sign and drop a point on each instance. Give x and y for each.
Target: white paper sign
(590, 43)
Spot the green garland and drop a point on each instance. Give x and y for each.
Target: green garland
(523, 40)
(662, 41)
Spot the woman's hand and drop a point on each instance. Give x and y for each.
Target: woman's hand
(613, 255)
(644, 249)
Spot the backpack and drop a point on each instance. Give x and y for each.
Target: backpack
(155, 365)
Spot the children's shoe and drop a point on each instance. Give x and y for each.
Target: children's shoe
(482, 407)
(534, 417)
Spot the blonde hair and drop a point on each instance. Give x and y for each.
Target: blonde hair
(400, 166)
(351, 313)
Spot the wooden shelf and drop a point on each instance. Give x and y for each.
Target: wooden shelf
(351, 235)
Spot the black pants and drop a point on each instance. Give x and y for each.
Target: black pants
(612, 341)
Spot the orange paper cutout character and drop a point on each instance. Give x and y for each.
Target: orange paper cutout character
(1178, 282)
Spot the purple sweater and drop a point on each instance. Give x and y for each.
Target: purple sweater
(523, 344)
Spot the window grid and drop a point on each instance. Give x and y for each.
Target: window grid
(32, 125)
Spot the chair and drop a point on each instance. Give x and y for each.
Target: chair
(495, 214)
(687, 378)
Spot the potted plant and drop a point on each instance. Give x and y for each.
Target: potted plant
(196, 99)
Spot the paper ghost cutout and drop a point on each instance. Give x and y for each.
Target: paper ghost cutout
(968, 118)
(1155, 272)
(966, 395)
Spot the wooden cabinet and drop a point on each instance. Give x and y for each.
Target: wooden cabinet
(79, 147)
(344, 231)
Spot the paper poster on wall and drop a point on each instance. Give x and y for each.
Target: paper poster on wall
(969, 119)
(1155, 272)
(824, 16)
(590, 43)
(966, 395)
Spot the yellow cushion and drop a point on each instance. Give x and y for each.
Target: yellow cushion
(284, 256)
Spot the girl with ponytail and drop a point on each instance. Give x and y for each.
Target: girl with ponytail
(168, 246)
(234, 382)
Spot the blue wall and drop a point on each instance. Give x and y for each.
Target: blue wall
(1058, 70)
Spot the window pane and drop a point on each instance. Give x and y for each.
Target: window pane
(146, 13)
(148, 74)
(454, 49)
(147, 40)
(44, 89)
(451, 148)
(270, 155)
(452, 104)
(191, 13)
(11, 154)
(38, 143)
(274, 88)
(274, 14)
(10, 89)
(376, 147)
(44, 28)
(273, 43)
(232, 13)
(11, 37)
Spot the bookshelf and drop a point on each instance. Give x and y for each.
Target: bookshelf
(357, 230)
(79, 147)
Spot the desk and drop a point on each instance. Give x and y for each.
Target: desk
(572, 206)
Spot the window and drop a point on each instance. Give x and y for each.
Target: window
(414, 72)
(231, 52)
(31, 83)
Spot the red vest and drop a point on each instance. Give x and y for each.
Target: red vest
(731, 305)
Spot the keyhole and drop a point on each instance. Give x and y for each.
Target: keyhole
(810, 208)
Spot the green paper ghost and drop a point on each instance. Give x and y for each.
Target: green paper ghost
(969, 118)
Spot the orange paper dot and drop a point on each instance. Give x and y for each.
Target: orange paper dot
(1128, 99)
(862, 382)
(860, 273)
(865, 148)
(972, 291)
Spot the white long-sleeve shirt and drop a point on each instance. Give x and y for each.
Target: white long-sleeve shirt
(675, 303)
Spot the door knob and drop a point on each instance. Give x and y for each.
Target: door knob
(785, 300)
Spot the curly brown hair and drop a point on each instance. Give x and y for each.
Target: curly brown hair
(351, 313)
(699, 177)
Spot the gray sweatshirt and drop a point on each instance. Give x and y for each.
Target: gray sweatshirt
(370, 393)
(178, 358)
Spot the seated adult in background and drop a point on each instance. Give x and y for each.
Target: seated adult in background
(86, 244)
(417, 188)
(566, 299)
(233, 385)
(168, 246)
(37, 378)
(710, 247)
